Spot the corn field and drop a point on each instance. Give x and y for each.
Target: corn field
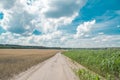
(105, 62)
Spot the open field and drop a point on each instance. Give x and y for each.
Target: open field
(15, 61)
(103, 62)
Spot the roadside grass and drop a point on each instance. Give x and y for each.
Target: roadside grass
(87, 75)
(13, 62)
(104, 62)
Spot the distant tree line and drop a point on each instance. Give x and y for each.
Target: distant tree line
(11, 46)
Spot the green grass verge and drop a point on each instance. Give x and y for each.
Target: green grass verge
(87, 75)
(104, 62)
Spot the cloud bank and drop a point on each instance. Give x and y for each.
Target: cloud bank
(23, 19)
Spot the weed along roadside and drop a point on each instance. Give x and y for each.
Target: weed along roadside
(82, 72)
(106, 63)
(87, 75)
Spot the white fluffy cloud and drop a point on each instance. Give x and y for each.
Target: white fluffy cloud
(62, 8)
(82, 29)
(94, 42)
(17, 19)
(59, 40)
(44, 40)
(7, 4)
(55, 13)
(23, 16)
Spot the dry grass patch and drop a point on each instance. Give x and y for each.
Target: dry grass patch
(13, 62)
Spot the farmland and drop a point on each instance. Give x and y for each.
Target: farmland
(15, 61)
(105, 62)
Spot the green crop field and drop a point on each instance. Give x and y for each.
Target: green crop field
(103, 62)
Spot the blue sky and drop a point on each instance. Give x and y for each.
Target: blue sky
(60, 23)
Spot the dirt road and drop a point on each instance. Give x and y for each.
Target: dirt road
(55, 68)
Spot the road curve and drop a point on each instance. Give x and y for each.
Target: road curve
(55, 68)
